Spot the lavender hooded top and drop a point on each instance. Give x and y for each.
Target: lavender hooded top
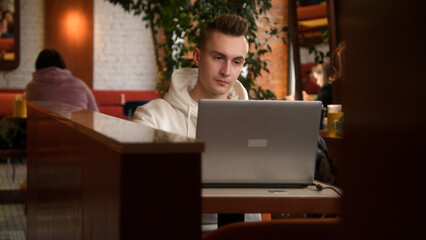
(56, 84)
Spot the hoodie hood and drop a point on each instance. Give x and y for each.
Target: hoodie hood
(183, 81)
(51, 74)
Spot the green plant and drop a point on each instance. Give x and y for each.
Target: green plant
(12, 135)
(319, 56)
(176, 25)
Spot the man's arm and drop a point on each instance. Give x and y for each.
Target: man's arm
(144, 115)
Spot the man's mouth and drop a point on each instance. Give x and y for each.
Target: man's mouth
(221, 82)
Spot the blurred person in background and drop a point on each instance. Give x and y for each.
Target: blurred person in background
(53, 82)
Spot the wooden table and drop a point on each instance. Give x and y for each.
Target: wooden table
(232, 203)
(305, 200)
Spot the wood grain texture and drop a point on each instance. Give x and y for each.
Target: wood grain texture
(82, 187)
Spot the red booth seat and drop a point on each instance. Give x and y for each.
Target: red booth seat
(308, 85)
(110, 101)
(7, 44)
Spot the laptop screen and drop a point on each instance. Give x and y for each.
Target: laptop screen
(258, 143)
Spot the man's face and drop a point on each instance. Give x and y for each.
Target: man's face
(220, 62)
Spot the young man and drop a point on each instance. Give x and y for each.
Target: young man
(220, 57)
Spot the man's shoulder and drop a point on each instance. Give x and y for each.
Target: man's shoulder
(155, 103)
(154, 113)
(156, 106)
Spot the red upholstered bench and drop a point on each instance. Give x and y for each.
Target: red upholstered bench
(7, 44)
(111, 101)
(309, 86)
(11, 90)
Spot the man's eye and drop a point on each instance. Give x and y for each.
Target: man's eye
(218, 57)
(238, 62)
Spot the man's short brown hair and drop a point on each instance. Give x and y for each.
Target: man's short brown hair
(228, 24)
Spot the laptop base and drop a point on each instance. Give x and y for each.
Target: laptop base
(255, 185)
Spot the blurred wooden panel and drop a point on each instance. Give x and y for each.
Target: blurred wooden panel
(69, 29)
(92, 176)
(383, 97)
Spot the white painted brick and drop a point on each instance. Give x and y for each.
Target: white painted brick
(305, 57)
(122, 46)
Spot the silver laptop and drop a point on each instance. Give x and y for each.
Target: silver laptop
(258, 143)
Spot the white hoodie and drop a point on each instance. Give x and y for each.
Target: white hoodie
(177, 112)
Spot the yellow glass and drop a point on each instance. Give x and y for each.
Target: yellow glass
(331, 117)
(19, 107)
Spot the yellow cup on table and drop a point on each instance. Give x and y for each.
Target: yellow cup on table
(19, 107)
(334, 112)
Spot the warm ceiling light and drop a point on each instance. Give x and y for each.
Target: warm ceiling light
(75, 26)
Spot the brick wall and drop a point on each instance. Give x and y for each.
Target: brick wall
(276, 80)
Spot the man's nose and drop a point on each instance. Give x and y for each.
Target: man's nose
(225, 70)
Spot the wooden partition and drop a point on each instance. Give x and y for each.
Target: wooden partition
(383, 91)
(92, 176)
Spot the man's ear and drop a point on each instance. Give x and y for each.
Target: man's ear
(196, 55)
